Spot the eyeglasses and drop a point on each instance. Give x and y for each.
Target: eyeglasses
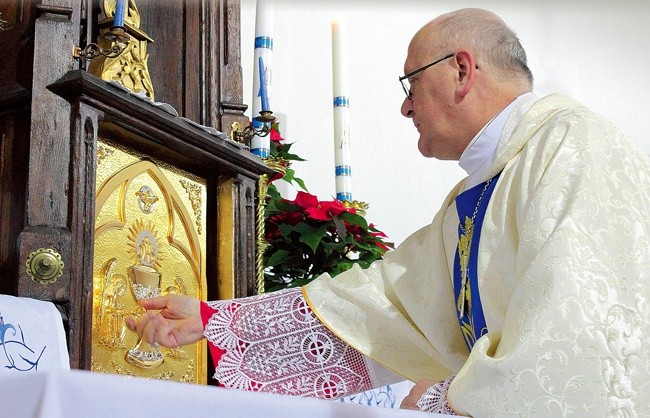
(404, 79)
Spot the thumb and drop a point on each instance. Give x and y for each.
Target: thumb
(159, 302)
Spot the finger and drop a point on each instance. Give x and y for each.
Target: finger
(181, 306)
(165, 336)
(154, 303)
(408, 403)
(152, 323)
(131, 323)
(135, 324)
(411, 400)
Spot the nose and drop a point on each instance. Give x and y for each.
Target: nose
(407, 108)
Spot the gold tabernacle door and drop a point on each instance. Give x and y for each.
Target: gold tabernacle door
(149, 241)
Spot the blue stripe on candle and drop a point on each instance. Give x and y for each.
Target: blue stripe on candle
(261, 152)
(344, 196)
(120, 12)
(263, 93)
(341, 101)
(264, 42)
(343, 170)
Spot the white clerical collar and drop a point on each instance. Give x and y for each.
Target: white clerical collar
(481, 151)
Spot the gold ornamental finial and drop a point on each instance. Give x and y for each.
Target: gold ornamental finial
(132, 15)
(360, 207)
(129, 68)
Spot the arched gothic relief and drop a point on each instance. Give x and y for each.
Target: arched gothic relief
(148, 242)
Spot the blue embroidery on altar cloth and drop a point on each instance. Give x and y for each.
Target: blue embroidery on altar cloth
(19, 356)
(383, 397)
(472, 325)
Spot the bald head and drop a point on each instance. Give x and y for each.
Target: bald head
(486, 35)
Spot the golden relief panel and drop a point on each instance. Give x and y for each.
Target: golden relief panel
(149, 241)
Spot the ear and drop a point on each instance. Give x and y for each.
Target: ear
(467, 67)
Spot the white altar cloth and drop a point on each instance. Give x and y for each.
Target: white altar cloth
(78, 393)
(31, 336)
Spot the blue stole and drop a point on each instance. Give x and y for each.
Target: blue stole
(471, 206)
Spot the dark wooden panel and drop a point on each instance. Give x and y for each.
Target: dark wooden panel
(164, 22)
(14, 148)
(17, 42)
(46, 224)
(17, 52)
(224, 99)
(83, 168)
(193, 59)
(245, 251)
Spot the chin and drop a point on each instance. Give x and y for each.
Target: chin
(425, 150)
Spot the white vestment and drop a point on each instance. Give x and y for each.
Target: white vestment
(563, 270)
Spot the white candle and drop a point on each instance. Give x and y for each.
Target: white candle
(264, 20)
(341, 102)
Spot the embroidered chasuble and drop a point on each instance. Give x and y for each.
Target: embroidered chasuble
(558, 263)
(563, 267)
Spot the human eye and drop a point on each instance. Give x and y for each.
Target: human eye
(412, 83)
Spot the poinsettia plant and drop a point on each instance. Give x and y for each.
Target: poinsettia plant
(307, 236)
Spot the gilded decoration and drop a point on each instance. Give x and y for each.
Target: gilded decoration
(146, 244)
(130, 68)
(194, 194)
(279, 165)
(260, 241)
(102, 153)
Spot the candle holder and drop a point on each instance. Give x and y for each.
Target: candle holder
(358, 205)
(116, 37)
(245, 134)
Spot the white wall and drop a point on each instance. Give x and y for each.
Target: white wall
(594, 51)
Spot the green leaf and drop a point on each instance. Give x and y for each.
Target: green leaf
(355, 219)
(273, 193)
(291, 156)
(340, 227)
(286, 229)
(290, 177)
(301, 183)
(310, 235)
(278, 257)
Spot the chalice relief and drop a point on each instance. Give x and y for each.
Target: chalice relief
(145, 284)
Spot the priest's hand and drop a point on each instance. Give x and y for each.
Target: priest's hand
(411, 400)
(171, 320)
(430, 396)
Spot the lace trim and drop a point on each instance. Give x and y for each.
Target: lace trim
(435, 398)
(274, 343)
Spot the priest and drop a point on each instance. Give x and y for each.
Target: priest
(526, 295)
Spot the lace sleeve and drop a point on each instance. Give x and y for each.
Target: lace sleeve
(435, 398)
(274, 343)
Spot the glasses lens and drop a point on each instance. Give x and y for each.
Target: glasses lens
(406, 87)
